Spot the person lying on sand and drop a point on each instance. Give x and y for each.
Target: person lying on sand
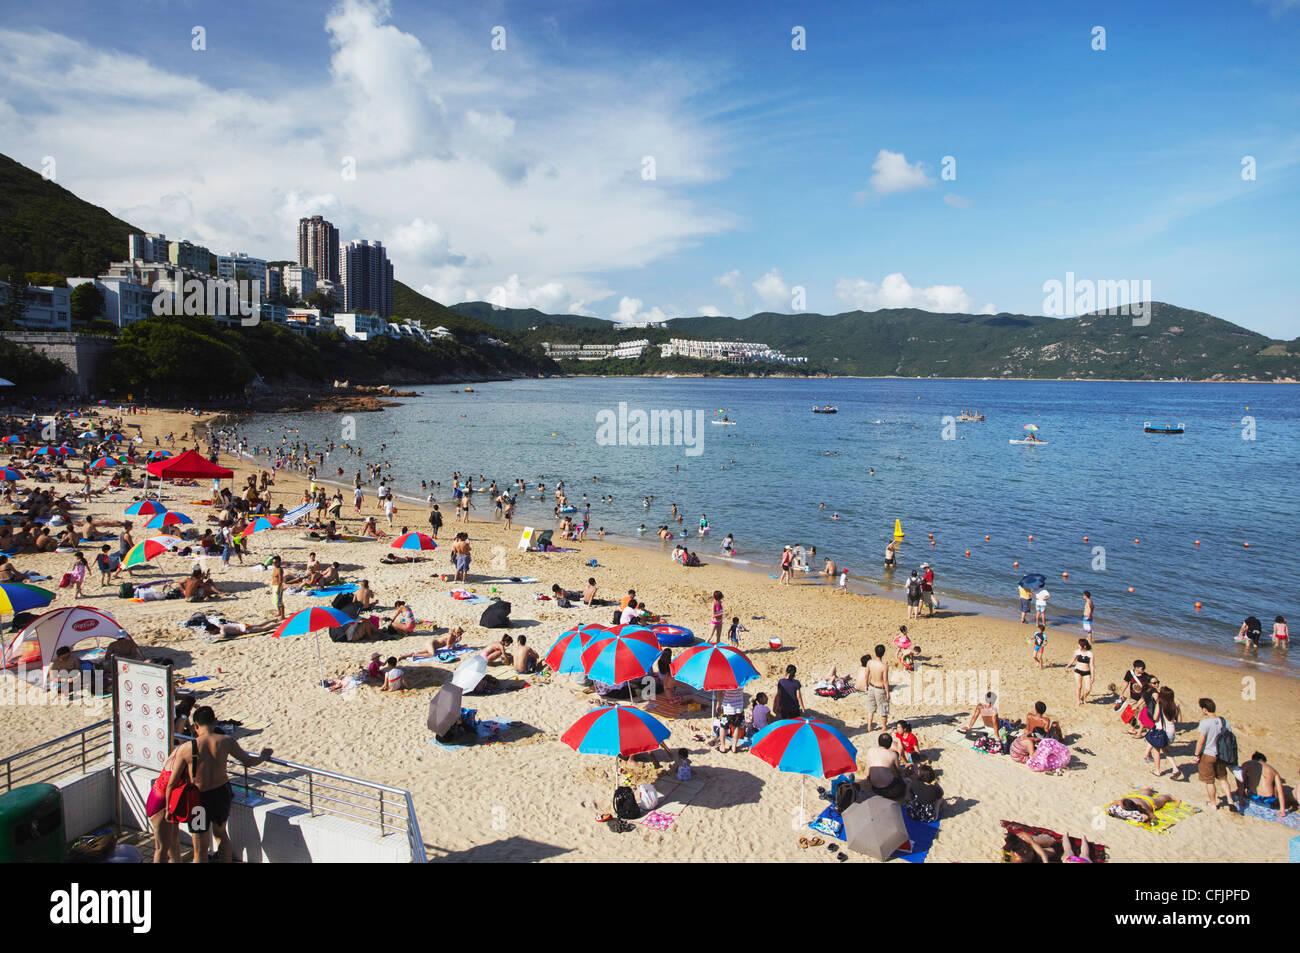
(1045, 849)
(229, 630)
(1140, 807)
(392, 559)
(438, 643)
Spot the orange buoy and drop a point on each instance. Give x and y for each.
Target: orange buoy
(1198, 542)
(968, 552)
(1135, 542)
(986, 539)
(1130, 588)
(931, 542)
(1198, 607)
(1065, 575)
(1247, 545)
(931, 535)
(1031, 539)
(1015, 565)
(1085, 539)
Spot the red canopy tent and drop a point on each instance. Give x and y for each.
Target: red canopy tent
(189, 465)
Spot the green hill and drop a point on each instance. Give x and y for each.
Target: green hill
(524, 319)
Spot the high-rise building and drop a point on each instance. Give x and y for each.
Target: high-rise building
(148, 247)
(367, 277)
(299, 279)
(318, 247)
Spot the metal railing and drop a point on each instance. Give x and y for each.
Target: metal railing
(64, 755)
(388, 809)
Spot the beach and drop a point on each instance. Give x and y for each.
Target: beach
(533, 798)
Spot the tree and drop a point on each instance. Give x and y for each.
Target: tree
(87, 303)
(16, 301)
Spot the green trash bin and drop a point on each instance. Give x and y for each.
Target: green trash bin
(31, 825)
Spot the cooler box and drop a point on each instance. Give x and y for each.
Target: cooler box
(31, 825)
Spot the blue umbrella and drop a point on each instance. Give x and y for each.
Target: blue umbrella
(1033, 581)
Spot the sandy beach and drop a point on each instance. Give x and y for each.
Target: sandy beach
(533, 798)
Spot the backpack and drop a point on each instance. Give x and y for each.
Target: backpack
(913, 589)
(496, 616)
(618, 614)
(1226, 745)
(341, 600)
(625, 805)
(125, 591)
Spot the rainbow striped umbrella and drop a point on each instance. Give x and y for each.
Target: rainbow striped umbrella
(263, 522)
(103, 462)
(147, 549)
(613, 658)
(169, 518)
(713, 667)
(311, 620)
(145, 508)
(413, 541)
(619, 730)
(19, 597)
(565, 656)
(11, 474)
(804, 746)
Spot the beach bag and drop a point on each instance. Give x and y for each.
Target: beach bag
(647, 798)
(1226, 745)
(341, 600)
(125, 591)
(1157, 738)
(185, 798)
(1126, 715)
(496, 616)
(1146, 721)
(625, 805)
(66, 581)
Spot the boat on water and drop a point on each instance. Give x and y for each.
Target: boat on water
(468, 390)
(670, 377)
(724, 422)
(1029, 443)
(1147, 428)
(969, 418)
(828, 409)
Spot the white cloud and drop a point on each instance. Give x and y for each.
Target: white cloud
(988, 309)
(772, 290)
(734, 282)
(891, 173)
(895, 292)
(708, 311)
(629, 311)
(956, 201)
(468, 174)
(551, 296)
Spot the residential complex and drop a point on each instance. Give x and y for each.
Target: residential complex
(47, 308)
(626, 350)
(367, 277)
(734, 352)
(318, 248)
(300, 279)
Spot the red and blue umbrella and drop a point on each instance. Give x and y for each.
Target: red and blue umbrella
(311, 620)
(413, 541)
(633, 630)
(104, 462)
(158, 455)
(12, 438)
(145, 508)
(619, 730)
(169, 518)
(263, 522)
(45, 451)
(615, 658)
(11, 474)
(713, 667)
(565, 656)
(804, 746)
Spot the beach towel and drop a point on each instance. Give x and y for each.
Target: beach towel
(509, 580)
(469, 598)
(658, 820)
(1100, 854)
(920, 838)
(1166, 817)
(333, 590)
(1264, 813)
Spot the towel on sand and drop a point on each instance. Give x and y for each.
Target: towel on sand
(1166, 817)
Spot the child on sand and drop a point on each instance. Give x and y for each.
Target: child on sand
(683, 765)
(733, 633)
(1040, 642)
(715, 623)
(394, 679)
(78, 574)
(843, 587)
(905, 743)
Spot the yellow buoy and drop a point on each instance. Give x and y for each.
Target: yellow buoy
(898, 529)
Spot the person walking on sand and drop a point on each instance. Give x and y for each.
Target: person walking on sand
(435, 521)
(204, 759)
(1209, 768)
(1040, 643)
(1026, 602)
(277, 586)
(460, 552)
(715, 622)
(1084, 671)
(1040, 606)
(787, 563)
(789, 696)
(1161, 735)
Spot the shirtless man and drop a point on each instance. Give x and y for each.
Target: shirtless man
(277, 586)
(330, 577)
(209, 774)
(873, 678)
(589, 593)
(525, 660)
(198, 586)
(365, 595)
(460, 551)
(1262, 784)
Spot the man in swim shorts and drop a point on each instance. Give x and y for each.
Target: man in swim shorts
(209, 773)
(1261, 784)
(873, 678)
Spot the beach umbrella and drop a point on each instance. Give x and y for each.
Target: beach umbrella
(444, 709)
(1030, 427)
(103, 462)
(263, 522)
(413, 541)
(147, 549)
(145, 508)
(11, 474)
(713, 667)
(633, 630)
(88, 435)
(616, 658)
(807, 747)
(470, 672)
(44, 451)
(58, 627)
(617, 730)
(5, 383)
(565, 656)
(874, 827)
(165, 519)
(12, 438)
(311, 620)
(1033, 581)
(158, 455)
(20, 596)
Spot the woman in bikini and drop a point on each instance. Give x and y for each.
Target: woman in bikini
(1084, 673)
(1140, 807)
(986, 711)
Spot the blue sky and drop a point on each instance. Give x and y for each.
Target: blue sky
(517, 175)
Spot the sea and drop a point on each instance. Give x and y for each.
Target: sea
(1178, 537)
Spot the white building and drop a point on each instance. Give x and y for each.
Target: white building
(239, 265)
(361, 325)
(274, 283)
(735, 352)
(48, 308)
(440, 332)
(299, 279)
(626, 350)
(126, 299)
